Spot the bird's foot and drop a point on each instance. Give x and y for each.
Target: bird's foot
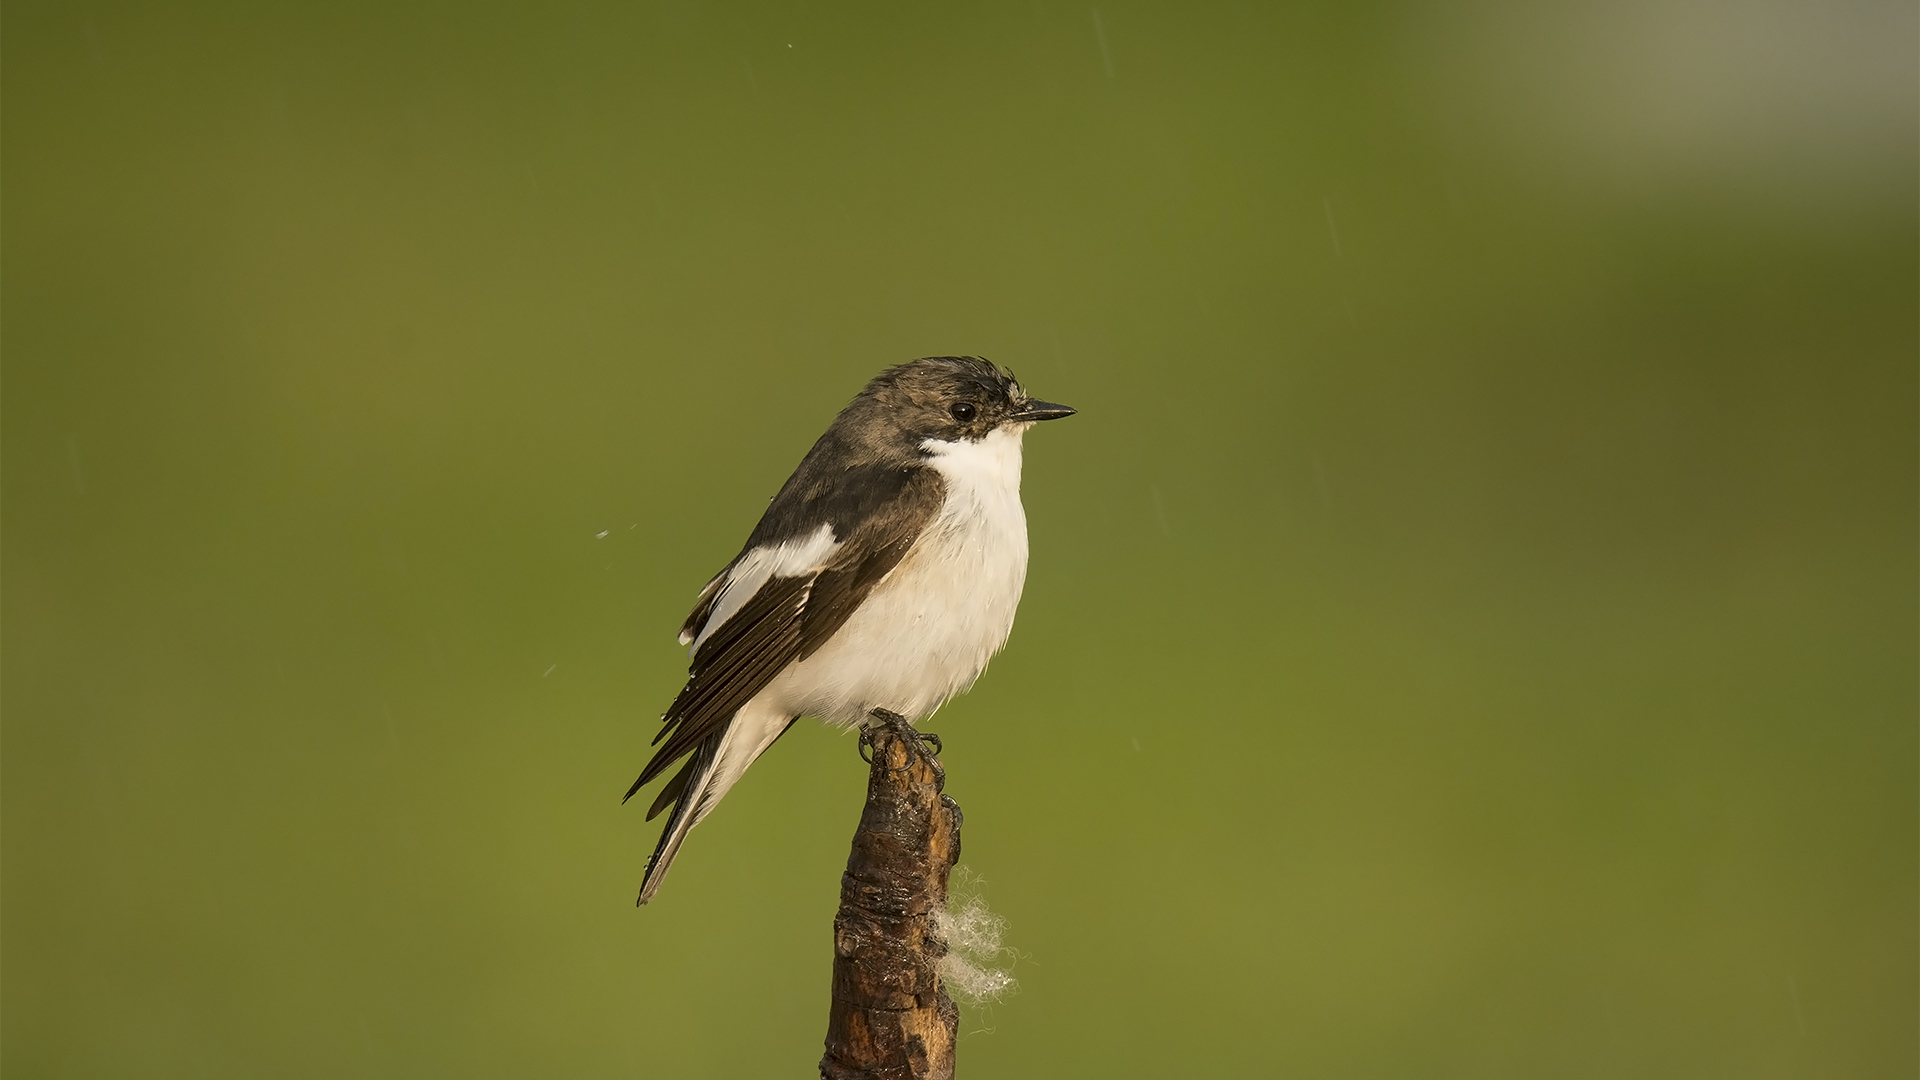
(924, 743)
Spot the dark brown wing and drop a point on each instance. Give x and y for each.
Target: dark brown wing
(787, 620)
(877, 545)
(840, 588)
(736, 662)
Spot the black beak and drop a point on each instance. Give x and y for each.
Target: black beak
(1043, 410)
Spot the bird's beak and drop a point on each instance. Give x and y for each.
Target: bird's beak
(1042, 410)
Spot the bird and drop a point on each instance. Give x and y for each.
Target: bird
(879, 582)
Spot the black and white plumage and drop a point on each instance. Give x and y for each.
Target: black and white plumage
(883, 576)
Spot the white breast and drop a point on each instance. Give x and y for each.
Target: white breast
(927, 630)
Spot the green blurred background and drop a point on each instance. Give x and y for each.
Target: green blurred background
(1471, 629)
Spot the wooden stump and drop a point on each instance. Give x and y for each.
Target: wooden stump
(890, 1016)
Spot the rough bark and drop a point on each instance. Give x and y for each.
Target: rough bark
(890, 1016)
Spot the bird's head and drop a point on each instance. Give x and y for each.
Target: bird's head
(949, 399)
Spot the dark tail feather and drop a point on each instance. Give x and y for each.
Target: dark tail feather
(686, 787)
(671, 791)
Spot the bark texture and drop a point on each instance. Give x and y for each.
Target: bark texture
(890, 1016)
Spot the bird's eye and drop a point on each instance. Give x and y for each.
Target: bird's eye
(962, 411)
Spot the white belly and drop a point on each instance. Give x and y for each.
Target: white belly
(929, 627)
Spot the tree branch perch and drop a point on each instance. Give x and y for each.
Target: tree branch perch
(891, 1019)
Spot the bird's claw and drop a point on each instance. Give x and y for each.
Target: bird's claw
(925, 743)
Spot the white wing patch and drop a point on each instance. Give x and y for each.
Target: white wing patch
(707, 590)
(794, 558)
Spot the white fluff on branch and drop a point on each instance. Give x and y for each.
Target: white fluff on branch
(973, 935)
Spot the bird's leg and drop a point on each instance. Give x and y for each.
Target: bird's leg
(920, 742)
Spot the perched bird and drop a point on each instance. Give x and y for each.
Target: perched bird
(877, 585)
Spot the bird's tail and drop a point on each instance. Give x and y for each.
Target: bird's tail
(712, 769)
(685, 789)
